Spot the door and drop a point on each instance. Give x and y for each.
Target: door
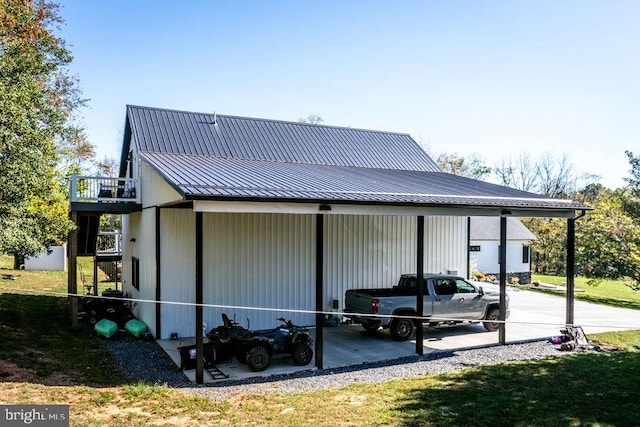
(445, 306)
(470, 305)
(456, 299)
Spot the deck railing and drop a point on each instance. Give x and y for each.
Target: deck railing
(104, 189)
(109, 243)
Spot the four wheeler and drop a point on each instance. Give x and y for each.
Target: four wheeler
(257, 348)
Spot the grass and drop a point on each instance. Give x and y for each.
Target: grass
(609, 292)
(45, 361)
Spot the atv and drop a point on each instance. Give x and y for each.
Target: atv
(257, 348)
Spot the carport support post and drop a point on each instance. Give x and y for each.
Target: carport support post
(571, 267)
(319, 289)
(502, 339)
(420, 286)
(199, 301)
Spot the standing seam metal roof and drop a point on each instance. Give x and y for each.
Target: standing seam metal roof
(206, 156)
(179, 132)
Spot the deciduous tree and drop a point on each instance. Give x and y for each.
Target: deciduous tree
(472, 166)
(38, 127)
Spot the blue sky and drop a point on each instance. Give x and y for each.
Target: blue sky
(497, 78)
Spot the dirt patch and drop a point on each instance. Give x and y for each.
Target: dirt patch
(10, 372)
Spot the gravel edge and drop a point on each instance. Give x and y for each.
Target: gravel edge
(146, 361)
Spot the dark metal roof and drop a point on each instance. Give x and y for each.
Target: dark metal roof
(179, 132)
(198, 177)
(217, 157)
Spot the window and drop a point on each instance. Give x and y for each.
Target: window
(445, 286)
(526, 254)
(465, 288)
(135, 272)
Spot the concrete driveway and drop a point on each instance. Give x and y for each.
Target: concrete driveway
(533, 316)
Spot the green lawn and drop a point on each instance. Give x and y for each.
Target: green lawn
(43, 360)
(610, 292)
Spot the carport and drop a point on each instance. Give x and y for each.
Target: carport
(535, 316)
(522, 205)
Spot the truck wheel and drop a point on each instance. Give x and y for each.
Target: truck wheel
(490, 323)
(302, 353)
(401, 329)
(258, 358)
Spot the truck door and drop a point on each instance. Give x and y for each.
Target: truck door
(445, 306)
(470, 304)
(456, 299)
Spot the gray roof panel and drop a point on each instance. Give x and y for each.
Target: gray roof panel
(178, 132)
(215, 178)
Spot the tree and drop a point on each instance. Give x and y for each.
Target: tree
(548, 251)
(550, 175)
(38, 106)
(631, 197)
(517, 173)
(634, 183)
(609, 244)
(313, 119)
(471, 167)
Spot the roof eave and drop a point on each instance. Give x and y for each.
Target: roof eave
(383, 207)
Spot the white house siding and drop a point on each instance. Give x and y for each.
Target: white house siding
(486, 260)
(373, 251)
(366, 252)
(139, 234)
(156, 191)
(259, 260)
(177, 271)
(268, 261)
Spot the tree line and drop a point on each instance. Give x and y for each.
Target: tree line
(607, 238)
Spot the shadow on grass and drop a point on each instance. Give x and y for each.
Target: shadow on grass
(41, 346)
(589, 389)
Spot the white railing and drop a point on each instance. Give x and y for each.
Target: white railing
(104, 189)
(109, 243)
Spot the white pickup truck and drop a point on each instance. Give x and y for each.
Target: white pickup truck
(447, 299)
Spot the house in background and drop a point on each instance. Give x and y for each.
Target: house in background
(262, 218)
(484, 244)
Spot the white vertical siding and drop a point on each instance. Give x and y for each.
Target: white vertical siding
(139, 238)
(445, 244)
(373, 251)
(178, 271)
(259, 260)
(366, 252)
(268, 261)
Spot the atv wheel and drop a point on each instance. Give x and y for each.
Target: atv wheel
(258, 358)
(302, 353)
(402, 329)
(490, 323)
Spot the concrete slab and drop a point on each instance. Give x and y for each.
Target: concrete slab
(534, 316)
